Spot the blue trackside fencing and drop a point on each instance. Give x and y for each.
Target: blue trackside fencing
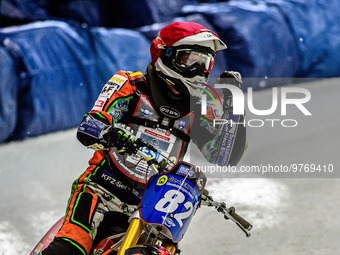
(53, 66)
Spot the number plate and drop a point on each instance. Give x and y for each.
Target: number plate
(170, 201)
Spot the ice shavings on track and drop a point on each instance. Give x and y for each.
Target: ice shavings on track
(262, 200)
(43, 221)
(10, 239)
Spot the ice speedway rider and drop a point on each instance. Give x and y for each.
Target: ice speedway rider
(161, 107)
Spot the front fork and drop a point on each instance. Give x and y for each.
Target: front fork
(170, 247)
(132, 235)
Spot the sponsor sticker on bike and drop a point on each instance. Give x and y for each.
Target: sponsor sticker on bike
(185, 171)
(162, 180)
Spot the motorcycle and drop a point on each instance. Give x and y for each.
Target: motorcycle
(169, 202)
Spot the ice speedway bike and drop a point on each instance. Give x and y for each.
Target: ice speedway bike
(171, 197)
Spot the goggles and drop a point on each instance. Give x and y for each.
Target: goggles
(190, 60)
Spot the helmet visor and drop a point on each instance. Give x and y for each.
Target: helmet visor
(190, 60)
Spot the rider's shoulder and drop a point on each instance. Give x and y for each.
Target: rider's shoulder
(130, 75)
(127, 80)
(136, 77)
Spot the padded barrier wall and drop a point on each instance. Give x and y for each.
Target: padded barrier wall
(62, 70)
(278, 38)
(57, 71)
(315, 27)
(259, 41)
(8, 95)
(52, 71)
(105, 13)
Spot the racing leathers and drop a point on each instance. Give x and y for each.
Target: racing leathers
(115, 182)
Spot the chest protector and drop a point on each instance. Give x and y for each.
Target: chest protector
(170, 137)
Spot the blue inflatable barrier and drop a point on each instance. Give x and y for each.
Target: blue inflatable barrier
(104, 13)
(59, 73)
(259, 41)
(134, 14)
(315, 27)
(278, 38)
(8, 95)
(64, 68)
(118, 49)
(22, 11)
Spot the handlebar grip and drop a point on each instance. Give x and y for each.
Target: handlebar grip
(237, 217)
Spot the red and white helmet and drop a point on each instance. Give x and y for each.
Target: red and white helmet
(183, 55)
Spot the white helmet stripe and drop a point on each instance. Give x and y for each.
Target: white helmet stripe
(200, 39)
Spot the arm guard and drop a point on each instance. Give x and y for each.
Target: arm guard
(112, 103)
(89, 131)
(222, 139)
(229, 143)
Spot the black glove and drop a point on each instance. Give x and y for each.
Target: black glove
(119, 136)
(231, 78)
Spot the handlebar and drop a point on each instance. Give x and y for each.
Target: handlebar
(241, 220)
(229, 213)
